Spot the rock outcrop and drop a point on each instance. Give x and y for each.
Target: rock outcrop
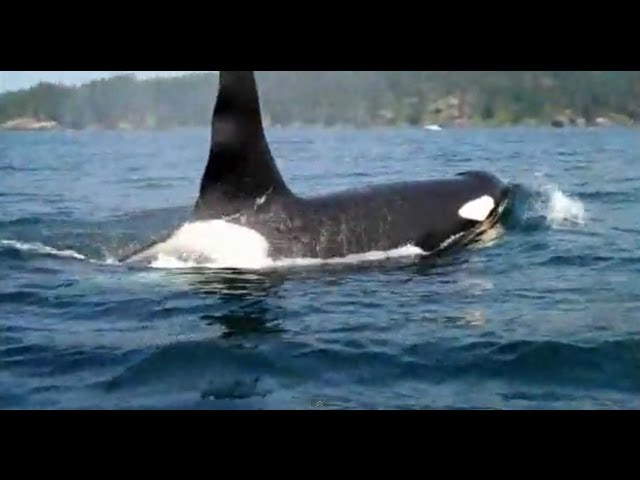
(27, 123)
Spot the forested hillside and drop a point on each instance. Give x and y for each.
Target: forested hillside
(332, 98)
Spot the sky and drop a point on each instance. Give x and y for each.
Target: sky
(14, 80)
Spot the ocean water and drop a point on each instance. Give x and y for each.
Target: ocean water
(545, 315)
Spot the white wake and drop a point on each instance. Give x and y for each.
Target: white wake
(36, 247)
(214, 244)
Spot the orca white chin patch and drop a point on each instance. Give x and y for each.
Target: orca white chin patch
(478, 210)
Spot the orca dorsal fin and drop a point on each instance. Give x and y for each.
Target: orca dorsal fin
(240, 165)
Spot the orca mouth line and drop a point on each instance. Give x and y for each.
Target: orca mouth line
(495, 217)
(472, 237)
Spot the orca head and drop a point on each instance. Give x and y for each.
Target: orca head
(463, 209)
(481, 209)
(486, 195)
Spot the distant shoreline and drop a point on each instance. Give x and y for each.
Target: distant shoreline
(43, 126)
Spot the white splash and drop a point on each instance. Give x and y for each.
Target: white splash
(478, 209)
(563, 208)
(42, 249)
(558, 208)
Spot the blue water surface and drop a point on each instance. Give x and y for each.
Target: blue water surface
(543, 317)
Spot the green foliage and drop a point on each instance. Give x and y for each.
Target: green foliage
(331, 98)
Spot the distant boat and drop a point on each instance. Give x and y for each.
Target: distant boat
(433, 128)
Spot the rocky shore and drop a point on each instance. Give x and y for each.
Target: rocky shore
(29, 124)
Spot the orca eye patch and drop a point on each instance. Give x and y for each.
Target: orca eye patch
(478, 209)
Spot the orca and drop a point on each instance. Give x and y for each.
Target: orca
(243, 187)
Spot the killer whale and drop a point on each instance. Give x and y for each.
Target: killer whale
(242, 186)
